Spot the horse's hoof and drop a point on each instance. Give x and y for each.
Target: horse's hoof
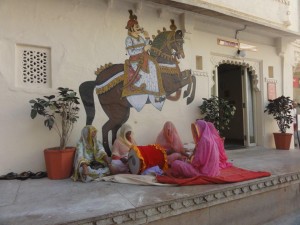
(189, 100)
(185, 94)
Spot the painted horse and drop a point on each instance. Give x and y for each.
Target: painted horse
(166, 48)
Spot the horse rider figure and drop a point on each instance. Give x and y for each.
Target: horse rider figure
(142, 80)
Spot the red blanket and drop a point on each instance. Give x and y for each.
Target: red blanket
(229, 175)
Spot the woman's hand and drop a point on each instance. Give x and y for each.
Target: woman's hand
(85, 171)
(191, 156)
(111, 169)
(184, 153)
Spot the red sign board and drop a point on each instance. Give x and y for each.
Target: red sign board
(271, 90)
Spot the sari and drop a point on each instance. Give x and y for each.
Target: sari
(169, 139)
(208, 157)
(88, 151)
(121, 149)
(220, 143)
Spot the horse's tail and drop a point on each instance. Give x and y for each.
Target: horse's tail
(86, 91)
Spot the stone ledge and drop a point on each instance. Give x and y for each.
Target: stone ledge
(143, 215)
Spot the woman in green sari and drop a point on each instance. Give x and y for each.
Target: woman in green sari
(91, 161)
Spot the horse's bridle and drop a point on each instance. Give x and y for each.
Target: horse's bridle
(171, 38)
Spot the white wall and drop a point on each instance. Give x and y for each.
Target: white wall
(281, 13)
(82, 36)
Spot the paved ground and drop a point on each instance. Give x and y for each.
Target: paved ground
(289, 219)
(44, 201)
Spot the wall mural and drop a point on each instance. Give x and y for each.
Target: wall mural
(150, 76)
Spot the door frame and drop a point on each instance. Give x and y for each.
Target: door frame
(246, 115)
(253, 66)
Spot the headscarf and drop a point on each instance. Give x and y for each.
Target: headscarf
(122, 135)
(122, 145)
(88, 140)
(169, 138)
(220, 143)
(206, 154)
(88, 149)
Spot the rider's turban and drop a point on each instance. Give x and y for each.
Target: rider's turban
(132, 20)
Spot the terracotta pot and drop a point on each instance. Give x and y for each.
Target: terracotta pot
(282, 140)
(59, 163)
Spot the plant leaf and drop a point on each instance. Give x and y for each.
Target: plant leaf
(33, 113)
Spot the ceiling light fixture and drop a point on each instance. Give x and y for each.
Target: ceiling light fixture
(240, 53)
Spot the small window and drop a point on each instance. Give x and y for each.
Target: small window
(33, 66)
(270, 72)
(199, 63)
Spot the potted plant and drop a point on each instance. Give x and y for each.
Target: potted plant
(218, 111)
(60, 113)
(280, 108)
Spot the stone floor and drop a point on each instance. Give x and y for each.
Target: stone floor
(289, 219)
(45, 201)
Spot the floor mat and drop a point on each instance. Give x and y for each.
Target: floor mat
(134, 179)
(229, 175)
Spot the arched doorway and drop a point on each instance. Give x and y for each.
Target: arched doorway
(234, 82)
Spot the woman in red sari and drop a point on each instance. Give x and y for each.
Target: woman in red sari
(208, 157)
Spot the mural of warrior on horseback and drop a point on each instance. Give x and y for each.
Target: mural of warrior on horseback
(150, 75)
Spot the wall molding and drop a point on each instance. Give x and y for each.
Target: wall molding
(286, 2)
(162, 210)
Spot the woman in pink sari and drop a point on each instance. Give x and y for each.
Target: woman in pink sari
(205, 159)
(170, 140)
(220, 142)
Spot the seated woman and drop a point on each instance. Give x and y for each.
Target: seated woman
(170, 140)
(207, 154)
(220, 143)
(91, 161)
(121, 149)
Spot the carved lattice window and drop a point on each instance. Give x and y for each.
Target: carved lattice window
(34, 66)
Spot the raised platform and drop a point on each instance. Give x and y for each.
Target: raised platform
(259, 201)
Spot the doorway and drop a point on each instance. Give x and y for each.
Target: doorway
(234, 84)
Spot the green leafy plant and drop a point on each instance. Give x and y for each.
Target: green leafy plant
(64, 105)
(217, 111)
(280, 108)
